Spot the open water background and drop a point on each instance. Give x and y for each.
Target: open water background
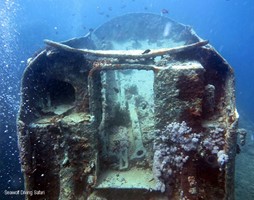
(227, 24)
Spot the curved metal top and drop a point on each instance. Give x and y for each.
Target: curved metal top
(142, 31)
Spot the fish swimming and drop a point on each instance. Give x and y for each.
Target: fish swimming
(146, 51)
(164, 11)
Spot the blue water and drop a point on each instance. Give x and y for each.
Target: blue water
(227, 24)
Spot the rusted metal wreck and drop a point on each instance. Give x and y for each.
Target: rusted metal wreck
(141, 108)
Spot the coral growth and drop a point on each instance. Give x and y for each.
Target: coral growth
(212, 147)
(222, 157)
(214, 140)
(171, 146)
(209, 99)
(242, 136)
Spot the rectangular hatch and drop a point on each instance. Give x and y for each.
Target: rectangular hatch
(126, 130)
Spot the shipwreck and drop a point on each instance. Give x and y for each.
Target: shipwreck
(139, 108)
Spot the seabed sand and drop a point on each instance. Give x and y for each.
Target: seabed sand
(244, 174)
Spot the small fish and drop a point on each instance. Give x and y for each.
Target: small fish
(151, 180)
(89, 33)
(146, 51)
(238, 149)
(116, 90)
(143, 106)
(164, 11)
